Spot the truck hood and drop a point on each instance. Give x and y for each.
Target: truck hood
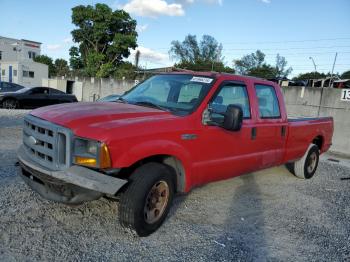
(104, 115)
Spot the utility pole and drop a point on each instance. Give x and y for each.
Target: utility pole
(335, 59)
(216, 59)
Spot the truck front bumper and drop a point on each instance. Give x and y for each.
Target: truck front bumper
(73, 186)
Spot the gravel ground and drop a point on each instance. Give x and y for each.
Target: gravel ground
(263, 216)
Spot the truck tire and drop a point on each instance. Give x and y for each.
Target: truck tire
(145, 202)
(305, 167)
(10, 103)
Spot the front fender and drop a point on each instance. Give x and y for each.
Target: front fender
(152, 148)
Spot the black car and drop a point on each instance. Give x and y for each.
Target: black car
(34, 97)
(9, 87)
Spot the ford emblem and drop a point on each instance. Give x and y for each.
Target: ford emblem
(32, 140)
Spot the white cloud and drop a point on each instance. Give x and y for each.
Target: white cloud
(141, 28)
(153, 8)
(151, 57)
(219, 2)
(54, 47)
(67, 40)
(266, 1)
(185, 2)
(188, 2)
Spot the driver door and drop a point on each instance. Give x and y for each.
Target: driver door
(36, 97)
(227, 153)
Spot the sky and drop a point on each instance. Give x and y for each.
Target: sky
(296, 29)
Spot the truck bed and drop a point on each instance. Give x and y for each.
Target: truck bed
(304, 131)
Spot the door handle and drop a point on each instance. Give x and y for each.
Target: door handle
(253, 133)
(283, 131)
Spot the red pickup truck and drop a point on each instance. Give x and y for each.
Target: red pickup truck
(166, 135)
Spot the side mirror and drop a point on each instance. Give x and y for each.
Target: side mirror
(233, 118)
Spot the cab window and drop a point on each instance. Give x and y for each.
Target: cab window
(268, 102)
(230, 94)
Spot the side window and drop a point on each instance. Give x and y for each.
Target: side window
(231, 94)
(35, 91)
(268, 102)
(189, 93)
(56, 92)
(39, 91)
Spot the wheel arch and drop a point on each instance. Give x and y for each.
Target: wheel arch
(176, 165)
(318, 141)
(10, 98)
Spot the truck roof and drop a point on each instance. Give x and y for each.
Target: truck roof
(219, 74)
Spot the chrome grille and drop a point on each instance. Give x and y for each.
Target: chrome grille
(46, 143)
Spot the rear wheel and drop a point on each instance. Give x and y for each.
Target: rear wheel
(10, 104)
(145, 203)
(305, 167)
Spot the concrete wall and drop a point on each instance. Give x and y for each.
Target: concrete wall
(59, 84)
(89, 88)
(94, 88)
(314, 102)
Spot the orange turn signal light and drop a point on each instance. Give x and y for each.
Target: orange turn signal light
(85, 161)
(105, 159)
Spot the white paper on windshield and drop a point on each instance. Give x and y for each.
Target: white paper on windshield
(201, 79)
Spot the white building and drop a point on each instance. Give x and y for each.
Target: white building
(17, 65)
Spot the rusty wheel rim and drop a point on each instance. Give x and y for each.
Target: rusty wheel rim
(312, 162)
(156, 202)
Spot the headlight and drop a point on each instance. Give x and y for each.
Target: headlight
(91, 153)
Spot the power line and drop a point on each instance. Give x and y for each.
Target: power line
(291, 48)
(290, 41)
(291, 54)
(276, 42)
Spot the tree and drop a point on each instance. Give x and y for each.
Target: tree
(104, 38)
(205, 66)
(203, 56)
(254, 65)
(249, 62)
(280, 69)
(310, 75)
(44, 59)
(345, 75)
(264, 71)
(125, 70)
(62, 68)
(75, 61)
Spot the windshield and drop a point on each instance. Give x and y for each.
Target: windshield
(175, 93)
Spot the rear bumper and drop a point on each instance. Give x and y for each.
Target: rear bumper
(72, 186)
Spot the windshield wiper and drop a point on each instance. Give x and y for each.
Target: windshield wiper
(150, 104)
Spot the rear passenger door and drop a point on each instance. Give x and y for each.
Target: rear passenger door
(270, 130)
